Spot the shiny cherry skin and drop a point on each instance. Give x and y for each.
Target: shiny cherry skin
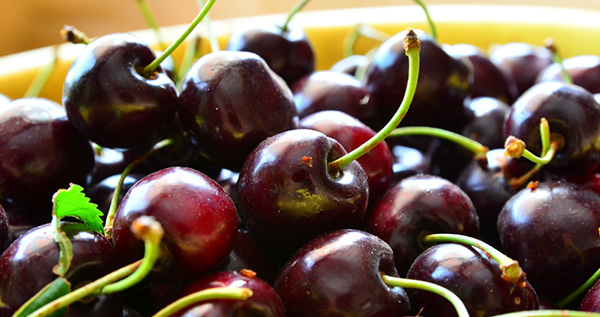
(5, 231)
(444, 83)
(27, 267)
(408, 162)
(583, 70)
(108, 98)
(552, 231)
(199, 220)
(574, 119)
(101, 193)
(288, 53)
(230, 102)
(263, 302)
(338, 274)
(418, 204)
(591, 300)
(287, 194)
(472, 276)
(40, 152)
(352, 133)
(486, 124)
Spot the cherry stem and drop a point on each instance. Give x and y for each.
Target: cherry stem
(212, 39)
(558, 60)
(515, 147)
(71, 34)
(150, 68)
(151, 232)
(477, 148)
(299, 5)
(149, 17)
(516, 183)
(412, 47)
(114, 203)
(549, 313)
(511, 271)
(235, 293)
(85, 291)
(429, 19)
(190, 54)
(391, 281)
(362, 30)
(41, 78)
(579, 291)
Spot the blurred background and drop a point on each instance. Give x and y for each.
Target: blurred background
(29, 24)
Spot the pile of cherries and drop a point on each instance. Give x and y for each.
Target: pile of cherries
(268, 175)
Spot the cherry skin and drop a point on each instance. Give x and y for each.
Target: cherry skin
(352, 133)
(417, 204)
(199, 219)
(338, 274)
(591, 300)
(474, 277)
(583, 70)
(552, 231)
(5, 231)
(27, 267)
(40, 152)
(487, 123)
(263, 302)
(288, 52)
(288, 195)
(409, 161)
(108, 98)
(230, 102)
(574, 119)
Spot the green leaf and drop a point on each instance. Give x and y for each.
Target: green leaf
(58, 288)
(72, 202)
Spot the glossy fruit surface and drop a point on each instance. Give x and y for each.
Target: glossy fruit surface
(111, 102)
(583, 70)
(198, 217)
(230, 102)
(5, 232)
(338, 274)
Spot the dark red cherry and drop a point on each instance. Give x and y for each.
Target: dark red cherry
(230, 102)
(409, 161)
(416, 205)
(111, 101)
(591, 300)
(473, 276)
(263, 302)
(552, 230)
(338, 274)
(199, 220)
(287, 193)
(102, 192)
(40, 152)
(352, 133)
(288, 52)
(583, 70)
(27, 267)
(5, 231)
(486, 124)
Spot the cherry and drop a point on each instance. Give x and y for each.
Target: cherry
(352, 133)
(338, 273)
(582, 69)
(552, 230)
(198, 217)
(5, 231)
(591, 300)
(473, 276)
(101, 193)
(27, 267)
(263, 302)
(417, 204)
(230, 102)
(409, 161)
(40, 151)
(573, 116)
(487, 123)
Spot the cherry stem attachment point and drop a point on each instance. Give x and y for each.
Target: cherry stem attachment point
(114, 203)
(412, 47)
(511, 271)
(299, 5)
(429, 19)
(478, 149)
(549, 44)
(391, 281)
(150, 68)
(234, 293)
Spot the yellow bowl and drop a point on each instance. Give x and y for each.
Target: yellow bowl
(575, 31)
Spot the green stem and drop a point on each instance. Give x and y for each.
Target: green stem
(85, 291)
(429, 19)
(516, 183)
(150, 68)
(477, 148)
(391, 281)
(212, 39)
(412, 48)
(545, 135)
(149, 17)
(299, 5)
(579, 291)
(71, 34)
(235, 293)
(190, 54)
(114, 203)
(362, 30)
(549, 313)
(40, 79)
(558, 60)
(511, 271)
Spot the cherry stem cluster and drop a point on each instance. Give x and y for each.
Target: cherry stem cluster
(412, 47)
(299, 5)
